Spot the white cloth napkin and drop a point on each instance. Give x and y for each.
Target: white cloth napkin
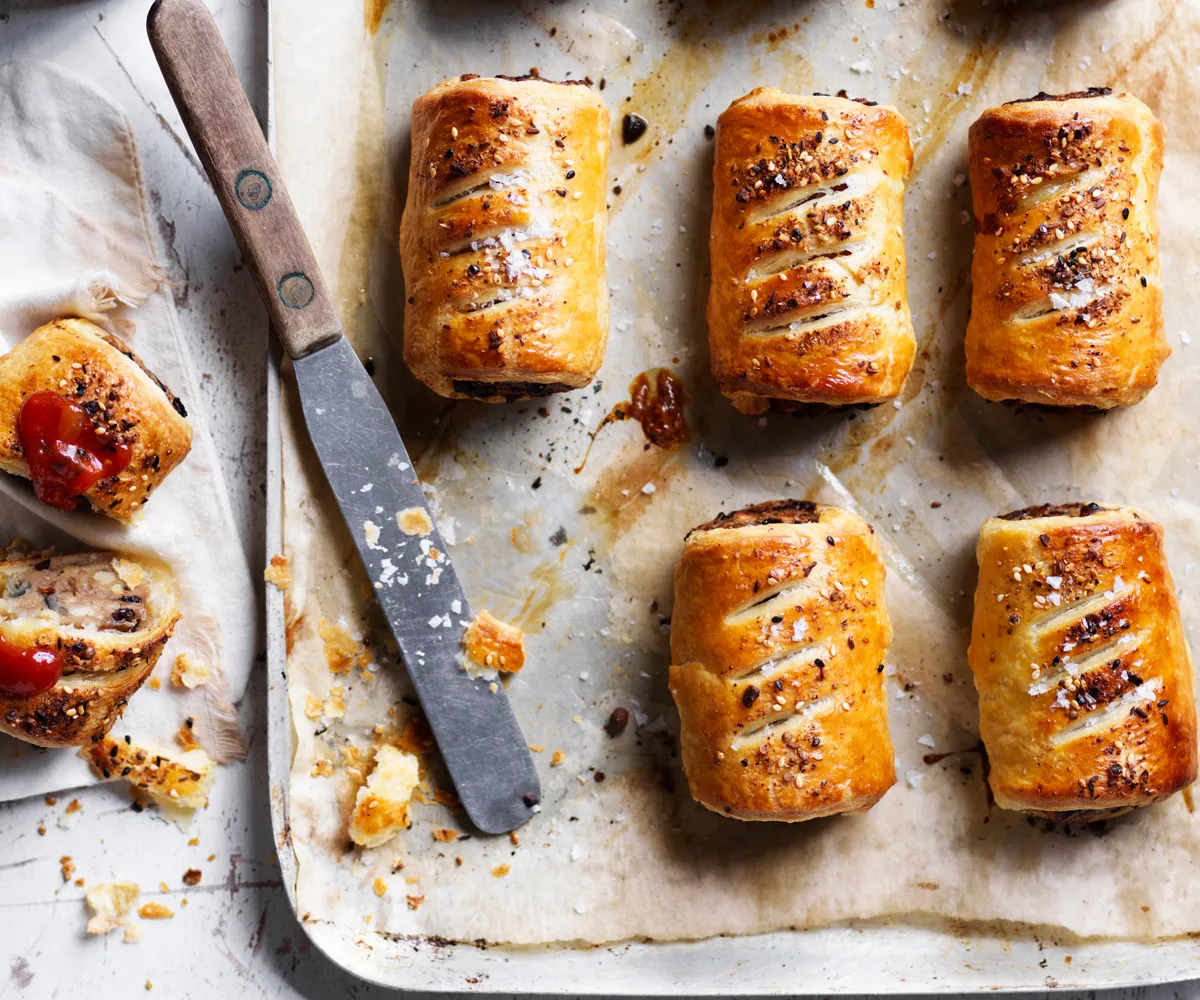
(76, 239)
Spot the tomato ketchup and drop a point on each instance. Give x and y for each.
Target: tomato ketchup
(65, 454)
(28, 671)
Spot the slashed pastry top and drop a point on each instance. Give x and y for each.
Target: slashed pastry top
(808, 300)
(1066, 305)
(503, 237)
(83, 418)
(1079, 656)
(778, 639)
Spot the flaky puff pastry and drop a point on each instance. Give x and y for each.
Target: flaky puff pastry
(502, 240)
(124, 403)
(106, 618)
(778, 639)
(1066, 301)
(1083, 671)
(808, 302)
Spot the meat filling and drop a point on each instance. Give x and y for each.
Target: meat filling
(89, 594)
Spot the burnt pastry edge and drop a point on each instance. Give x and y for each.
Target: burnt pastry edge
(119, 345)
(510, 392)
(1075, 95)
(525, 78)
(1073, 508)
(768, 512)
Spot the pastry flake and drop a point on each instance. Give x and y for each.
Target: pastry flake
(381, 806)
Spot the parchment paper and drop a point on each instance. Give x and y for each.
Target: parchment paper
(76, 240)
(628, 854)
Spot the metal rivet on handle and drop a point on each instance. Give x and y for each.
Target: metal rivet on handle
(253, 189)
(296, 290)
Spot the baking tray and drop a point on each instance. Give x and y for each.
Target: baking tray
(874, 957)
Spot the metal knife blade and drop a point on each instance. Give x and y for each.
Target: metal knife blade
(372, 477)
(351, 428)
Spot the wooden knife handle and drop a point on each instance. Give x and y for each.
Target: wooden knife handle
(243, 172)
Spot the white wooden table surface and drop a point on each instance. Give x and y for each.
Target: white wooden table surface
(236, 934)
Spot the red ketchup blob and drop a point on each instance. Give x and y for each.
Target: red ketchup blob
(64, 453)
(28, 671)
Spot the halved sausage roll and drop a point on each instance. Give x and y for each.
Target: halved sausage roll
(808, 302)
(83, 418)
(78, 636)
(778, 639)
(1066, 300)
(1079, 656)
(502, 240)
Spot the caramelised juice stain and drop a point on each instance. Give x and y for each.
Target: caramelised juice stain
(939, 60)
(656, 401)
(373, 11)
(664, 96)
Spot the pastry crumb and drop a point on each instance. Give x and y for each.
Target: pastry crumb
(187, 673)
(154, 684)
(537, 748)
(335, 704)
(131, 573)
(314, 707)
(110, 903)
(500, 871)
(445, 836)
(558, 758)
(186, 737)
(279, 573)
(178, 783)
(341, 651)
(322, 768)
(192, 876)
(67, 866)
(380, 887)
(155, 911)
(414, 521)
(381, 806)
(414, 901)
(491, 645)
(133, 932)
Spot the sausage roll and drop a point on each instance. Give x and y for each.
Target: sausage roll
(502, 240)
(808, 301)
(78, 636)
(1079, 657)
(778, 639)
(1066, 302)
(82, 417)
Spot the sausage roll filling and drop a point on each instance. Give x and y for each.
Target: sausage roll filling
(778, 638)
(503, 238)
(1066, 306)
(808, 301)
(1079, 657)
(78, 636)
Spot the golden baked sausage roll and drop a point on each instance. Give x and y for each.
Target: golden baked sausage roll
(82, 417)
(1066, 302)
(778, 640)
(78, 636)
(808, 301)
(502, 240)
(1079, 657)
